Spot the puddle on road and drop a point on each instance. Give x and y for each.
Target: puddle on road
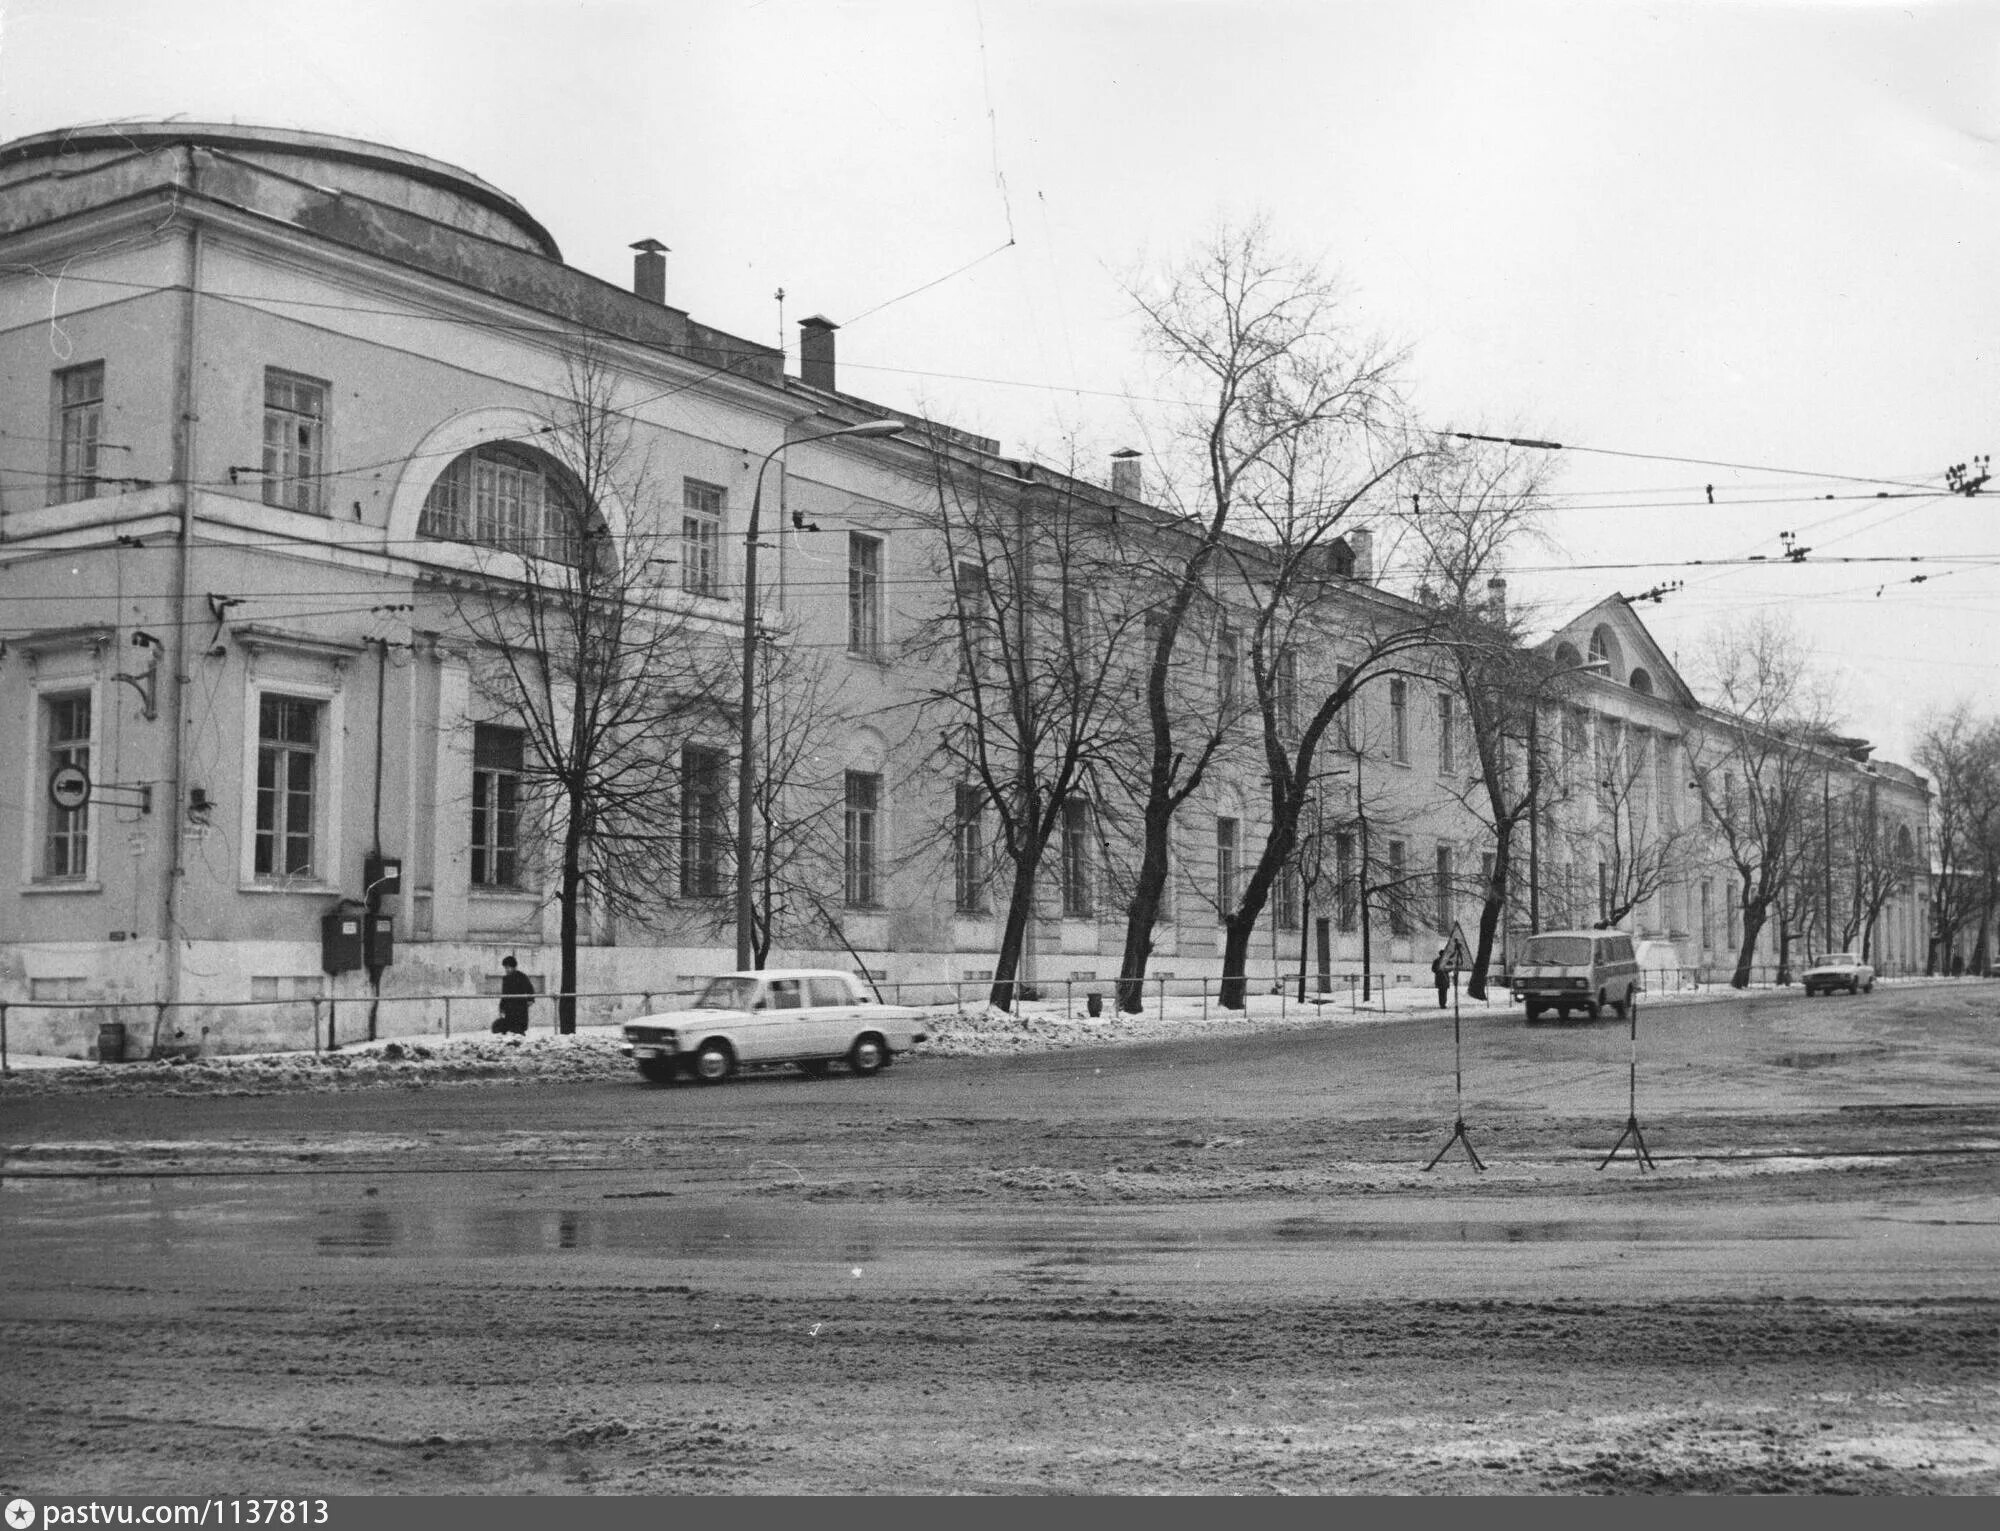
(166, 1215)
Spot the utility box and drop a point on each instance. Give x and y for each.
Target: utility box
(340, 939)
(379, 948)
(382, 876)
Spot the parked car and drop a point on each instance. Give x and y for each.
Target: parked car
(1565, 970)
(806, 1016)
(1839, 970)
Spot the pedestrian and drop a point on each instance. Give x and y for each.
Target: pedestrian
(1441, 974)
(517, 990)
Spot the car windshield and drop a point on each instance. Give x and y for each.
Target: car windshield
(1834, 959)
(1558, 951)
(732, 993)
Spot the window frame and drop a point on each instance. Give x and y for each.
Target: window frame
(327, 808)
(1399, 720)
(294, 471)
(1396, 853)
(704, 796)
(76, 462)
(864, 595)
(506, 842)
(1078, 865)
(284, 755)
(1447, 737)
(968, 846)
(861, 840)
(44, 760)
(704, 508)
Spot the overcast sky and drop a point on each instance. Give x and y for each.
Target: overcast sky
(1761, 240)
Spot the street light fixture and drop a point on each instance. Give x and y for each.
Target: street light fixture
(746, 741)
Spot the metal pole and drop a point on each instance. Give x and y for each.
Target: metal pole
(746, 734)
(3, 1038)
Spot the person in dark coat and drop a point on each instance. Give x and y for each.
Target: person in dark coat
(1441, 973)
(517, 991)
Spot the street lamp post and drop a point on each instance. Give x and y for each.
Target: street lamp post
(746, 740)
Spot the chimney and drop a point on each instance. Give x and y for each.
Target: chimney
(1496, 600)
(1362, 542)
(816, 352)
(1126, 477)
(649, 271)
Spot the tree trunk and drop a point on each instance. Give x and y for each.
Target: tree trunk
(1491, 911)
(1013, 934)
(1753, 927)
(1142, 912)
(572, 882)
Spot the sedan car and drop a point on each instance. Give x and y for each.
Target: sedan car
(810, 1017)
(1839, 970)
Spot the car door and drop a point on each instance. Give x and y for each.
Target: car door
(779, 1026)
(828, 1027)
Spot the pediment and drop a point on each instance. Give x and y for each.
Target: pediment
(1611, 630)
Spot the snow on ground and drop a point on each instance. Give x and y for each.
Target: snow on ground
(593, 1052)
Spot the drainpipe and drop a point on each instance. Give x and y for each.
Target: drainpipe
(186, 420)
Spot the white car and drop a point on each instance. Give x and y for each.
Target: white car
(807, 1016)
(1839, 970)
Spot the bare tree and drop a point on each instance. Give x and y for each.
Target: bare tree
(586, 645)
(1960, 751)
(1026, 677)
(1641, 849)
(1475, 503)
(1260, 347)
(1755, 765)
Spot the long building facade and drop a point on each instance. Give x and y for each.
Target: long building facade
(277, 411)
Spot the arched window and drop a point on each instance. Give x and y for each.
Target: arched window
(1604, 646)
(1642, 683)
(508, 498)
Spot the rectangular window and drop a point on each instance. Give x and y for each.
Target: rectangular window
(975, 615)
(66, 728)
(1447, 744)
(1285, 688)
(1399, 902)
(288, 730)
(864, 807)
(294, 441)
(1446, 894)
(1733, 916)
(1342, 674)
(1225, 864)
(968, 841)
(1399, 721)
(864, 594)
(1285, 896)
(1707, 916)
(701, 536)
(496, 805)
(1228, 666)
(1345, 889)
(702, 829)
(1077, 862)
(79, 423)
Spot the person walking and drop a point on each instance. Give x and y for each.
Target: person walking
(1441, 975)
(517, 992)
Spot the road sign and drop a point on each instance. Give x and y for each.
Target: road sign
(69, 787)
(1457, 955)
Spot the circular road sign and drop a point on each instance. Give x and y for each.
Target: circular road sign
(69, 787)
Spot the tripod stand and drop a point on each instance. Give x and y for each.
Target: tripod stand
(1632, 1133)
(1458, 1132)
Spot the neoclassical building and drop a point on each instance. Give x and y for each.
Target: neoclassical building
(276, 403)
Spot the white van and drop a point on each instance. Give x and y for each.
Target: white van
(1565, 970)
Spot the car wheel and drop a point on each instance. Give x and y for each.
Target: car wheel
(657, 1070)
(1534, 1013)
(714, 1062)
(813, 1068)
(868, 1054)
(1595, 1009)
(1869, 987)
